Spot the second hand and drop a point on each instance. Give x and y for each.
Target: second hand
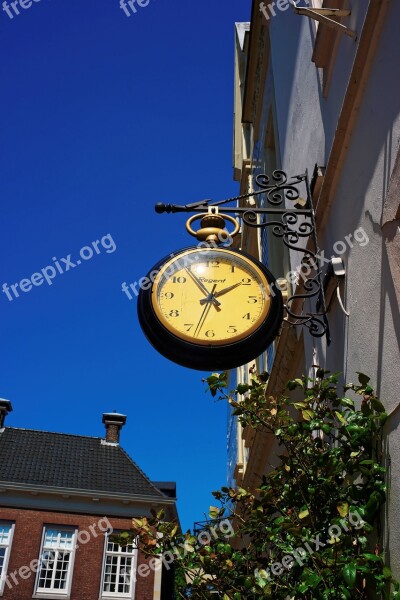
(205, 312)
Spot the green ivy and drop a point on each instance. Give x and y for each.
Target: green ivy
(309, 530)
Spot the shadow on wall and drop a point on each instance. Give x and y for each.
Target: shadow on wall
(364, 184)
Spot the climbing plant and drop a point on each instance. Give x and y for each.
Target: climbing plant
(310, 528)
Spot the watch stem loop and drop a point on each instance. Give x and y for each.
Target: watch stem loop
(212, 228)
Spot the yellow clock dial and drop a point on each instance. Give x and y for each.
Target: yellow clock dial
(211, 297)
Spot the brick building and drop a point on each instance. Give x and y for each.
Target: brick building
(61, 496)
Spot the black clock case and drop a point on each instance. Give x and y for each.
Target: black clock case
(203, 357)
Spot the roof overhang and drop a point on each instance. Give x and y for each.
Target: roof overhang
(41, 497)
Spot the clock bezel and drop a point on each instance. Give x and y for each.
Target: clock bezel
(209, 356)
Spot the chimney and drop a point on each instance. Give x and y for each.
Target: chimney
(5, 408)
(114, 423)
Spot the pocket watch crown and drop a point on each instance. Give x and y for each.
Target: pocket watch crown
(212, 228)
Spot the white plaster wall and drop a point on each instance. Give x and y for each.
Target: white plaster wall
(299, 117)
(369, 340)
(373, 330)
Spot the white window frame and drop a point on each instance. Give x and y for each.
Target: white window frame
(117, 595)
(3, 574)
(50, 592)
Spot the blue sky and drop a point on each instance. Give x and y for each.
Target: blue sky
(102, 116)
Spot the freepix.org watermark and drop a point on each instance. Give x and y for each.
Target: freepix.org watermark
(310, 547)
(130, 7)
(12, 9)
(144, 283)
(58, 267)
(340, 247)
(269, 10)
(84, 536)
(221, 530)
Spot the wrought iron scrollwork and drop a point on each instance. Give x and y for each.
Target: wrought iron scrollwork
(293, 221)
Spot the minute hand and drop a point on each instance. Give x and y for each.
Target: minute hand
(224, 291)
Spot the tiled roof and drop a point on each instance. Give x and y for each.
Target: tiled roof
(70, 462)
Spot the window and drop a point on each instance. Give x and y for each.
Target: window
(56, 562)
(119, 571)
(6, 535)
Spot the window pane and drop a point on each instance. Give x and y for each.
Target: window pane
(66, 539)
(5, 534)
(2, 557)
(51, 538)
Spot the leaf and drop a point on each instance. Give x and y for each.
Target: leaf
(299, 382)
(371, 557)
(343, 509)
(347, 402)
(387, 573)
(345, 592)
(137, 523)
(242, 388)
(304, 513)
(173, 532)
(362, 378)
(308, 414)
(313, 580)
(291, 385)
(299, 405)
(333, 540)
(377, 405)
(349, 574)
(340, 417)
(383, 417)
(213, 512)
(261, 578)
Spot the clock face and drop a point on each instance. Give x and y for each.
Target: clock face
(211, 297)
(210, 308)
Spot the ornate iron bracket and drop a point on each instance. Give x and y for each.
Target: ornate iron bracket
(293, 220)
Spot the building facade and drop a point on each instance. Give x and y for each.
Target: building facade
(61, 498)
(322, 95)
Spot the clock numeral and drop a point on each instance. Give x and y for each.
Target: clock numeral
(188, 326)
(231, 329)
(169, 295)
(210, 333)
(174, 313)
(213, 263)
(252, 300)
(246, 281)
(178, 279)
(232, 268)
(246, 316)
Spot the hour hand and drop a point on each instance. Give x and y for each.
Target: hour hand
(224, 291)
(210, 298)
